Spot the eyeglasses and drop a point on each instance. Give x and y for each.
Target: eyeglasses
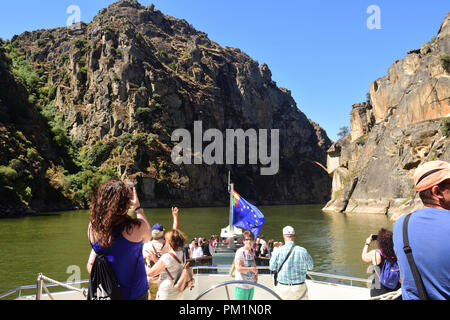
(248, 239)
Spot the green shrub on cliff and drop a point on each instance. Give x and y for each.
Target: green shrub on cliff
(98, 154)
(81, 44)
(151, 138)
(32, 154)
(444, 59)
(15, 164)
(124, 139)
(143, 114)
(139, 139)
(23, 70)
(82, 184)
(7, 175)
(15, 186)
(445, 126)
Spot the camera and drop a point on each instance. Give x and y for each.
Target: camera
(374, 237)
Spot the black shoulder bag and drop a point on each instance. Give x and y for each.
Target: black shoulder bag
(275, 273)
(408, 251)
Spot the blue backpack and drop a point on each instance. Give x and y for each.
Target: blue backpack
(390, 273)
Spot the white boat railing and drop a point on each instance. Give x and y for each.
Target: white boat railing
(41, 285)
(310, 274)
(43, 282)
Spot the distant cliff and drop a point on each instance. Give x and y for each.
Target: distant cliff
(403, 124)
(114, 90)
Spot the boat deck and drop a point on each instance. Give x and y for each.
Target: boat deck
(317, 290)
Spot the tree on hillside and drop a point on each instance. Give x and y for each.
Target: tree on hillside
(343, 131)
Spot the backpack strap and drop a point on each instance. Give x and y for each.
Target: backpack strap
(170, 275)
(178, 260)
(175, 257)
(157, 253)
(408, 252)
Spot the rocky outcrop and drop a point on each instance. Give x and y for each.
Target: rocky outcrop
(123, 83)
(404, 124)
(362, 119)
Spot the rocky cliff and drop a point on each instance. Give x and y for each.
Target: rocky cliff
(27, 148)
(403, 124)
(113, 91)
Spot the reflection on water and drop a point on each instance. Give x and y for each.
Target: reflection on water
(51, 243)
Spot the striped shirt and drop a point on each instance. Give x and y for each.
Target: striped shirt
(295, 268)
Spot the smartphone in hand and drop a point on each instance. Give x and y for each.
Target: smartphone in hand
(374, 237)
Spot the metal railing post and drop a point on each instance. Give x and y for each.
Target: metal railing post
(39, 287)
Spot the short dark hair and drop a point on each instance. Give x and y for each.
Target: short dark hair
(427, 196)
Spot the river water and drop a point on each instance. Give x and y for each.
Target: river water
(56, 244)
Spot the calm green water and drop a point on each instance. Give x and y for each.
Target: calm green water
(52, 243)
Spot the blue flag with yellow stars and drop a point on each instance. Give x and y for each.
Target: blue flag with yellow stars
(246, 215)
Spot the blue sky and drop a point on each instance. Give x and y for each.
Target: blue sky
(321, 50)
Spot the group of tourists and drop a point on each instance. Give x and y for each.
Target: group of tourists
(414, 257)
(201, 247)
(145, 260)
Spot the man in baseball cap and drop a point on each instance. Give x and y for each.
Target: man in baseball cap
(428, 231)
(288, 231)
(291, 263)
(157, 231)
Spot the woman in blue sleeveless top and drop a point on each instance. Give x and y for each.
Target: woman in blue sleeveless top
(113, 233)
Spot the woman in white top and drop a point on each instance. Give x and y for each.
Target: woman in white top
(166, 291)
(245, 263)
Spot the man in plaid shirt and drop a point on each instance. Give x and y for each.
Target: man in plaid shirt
(291, 278)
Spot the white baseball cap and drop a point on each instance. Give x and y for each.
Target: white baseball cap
(288, 231)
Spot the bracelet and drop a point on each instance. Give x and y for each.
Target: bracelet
(367, 244)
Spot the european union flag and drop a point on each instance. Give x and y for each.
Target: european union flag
(246, 215)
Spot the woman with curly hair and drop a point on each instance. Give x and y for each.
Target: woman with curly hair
(378, 257)
(169, 266)
(119, 237)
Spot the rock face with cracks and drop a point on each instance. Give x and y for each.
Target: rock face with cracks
(402, 125)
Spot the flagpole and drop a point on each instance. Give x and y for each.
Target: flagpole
(230, 218)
